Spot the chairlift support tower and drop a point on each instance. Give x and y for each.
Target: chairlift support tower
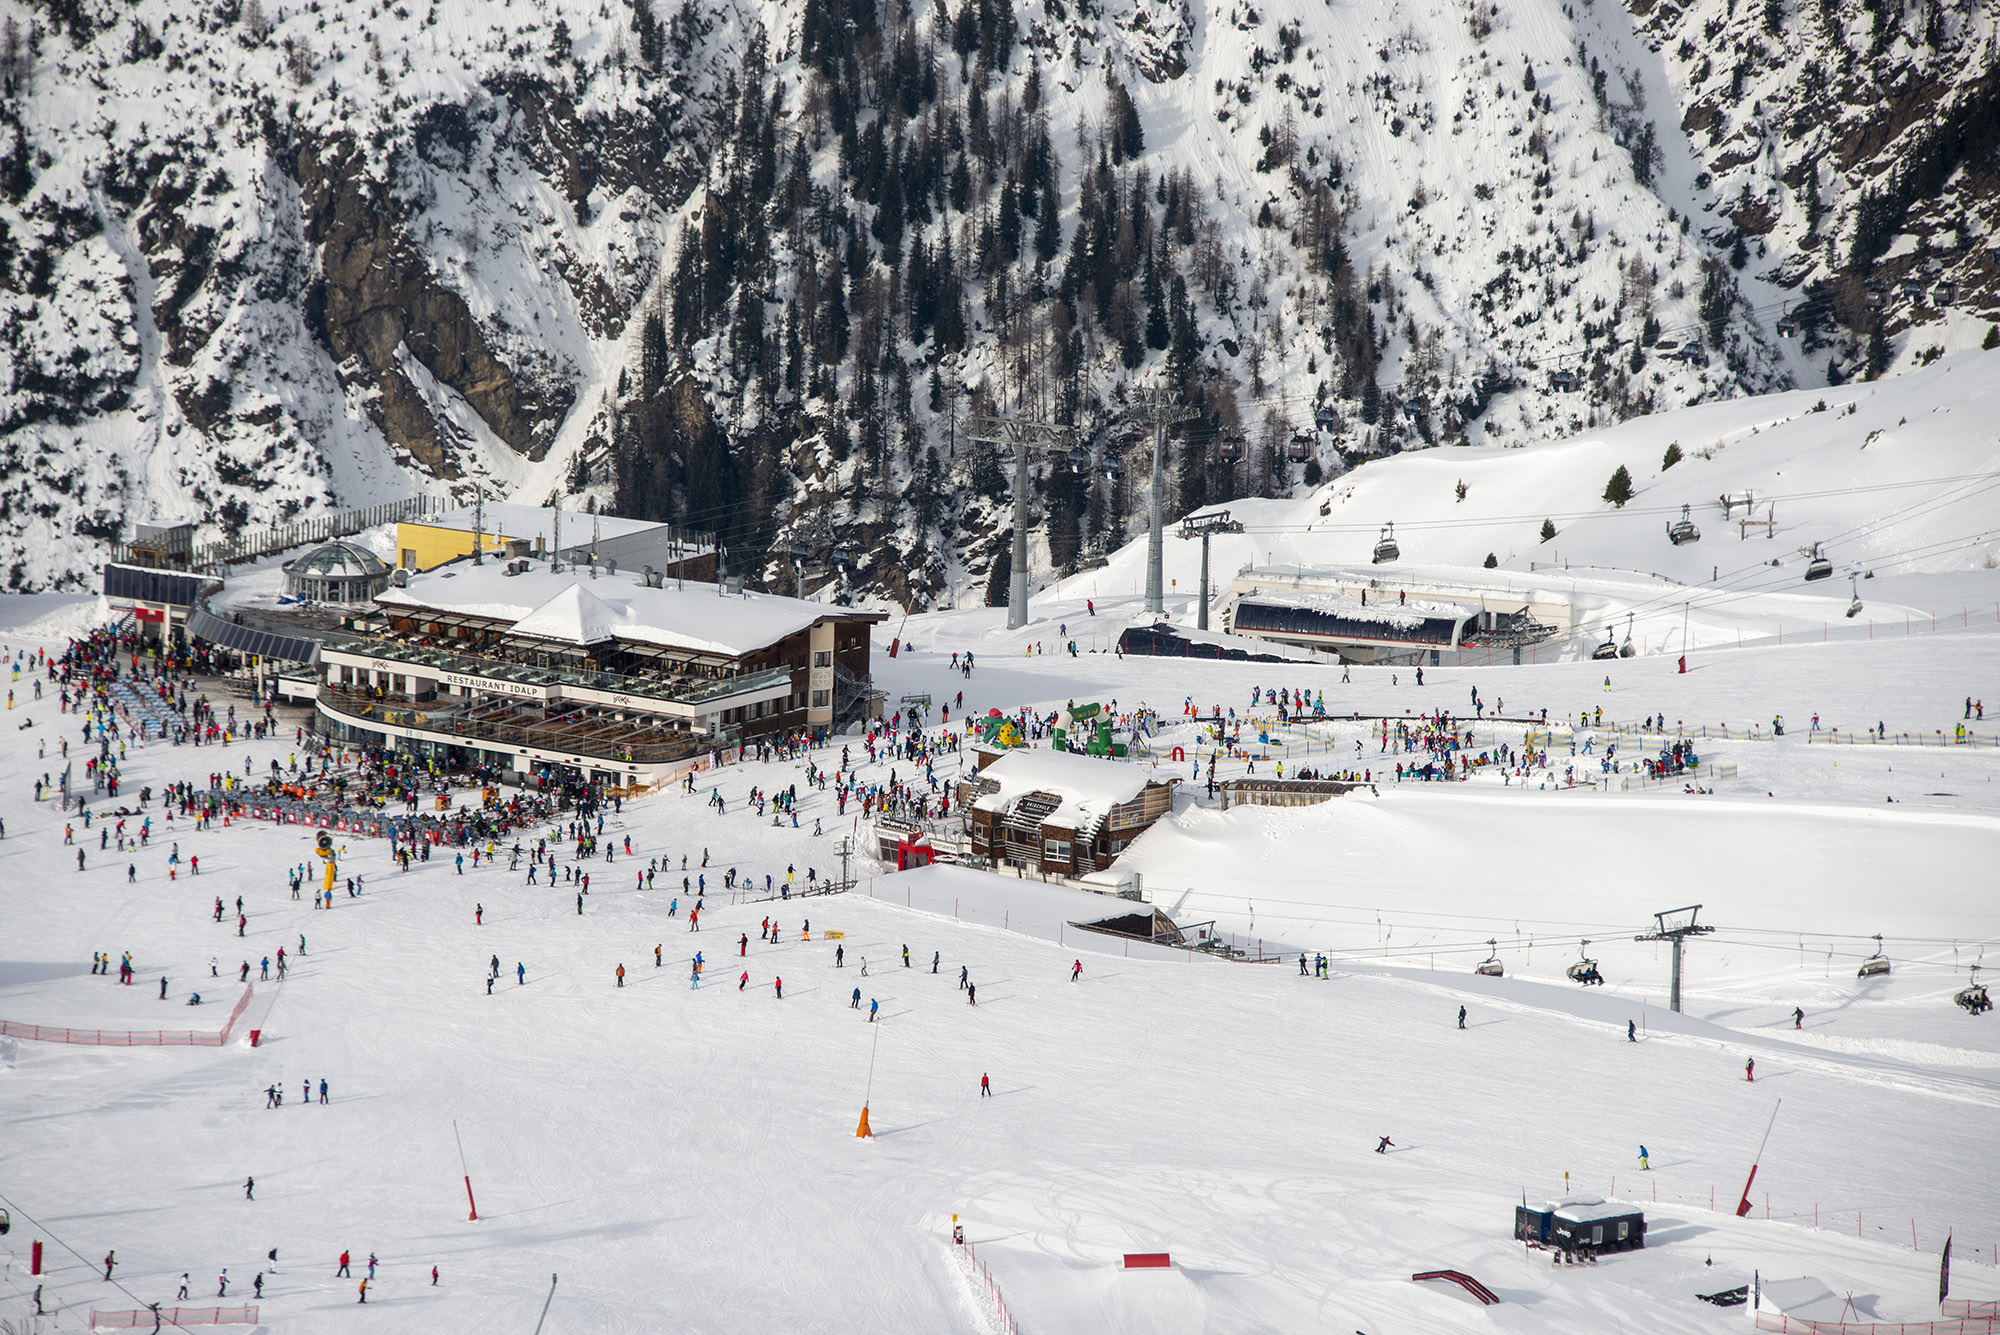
(1672, 928)
(1162, 408)
(1026, 437)
(1203, 527)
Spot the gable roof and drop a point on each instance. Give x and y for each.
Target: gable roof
(574, 616)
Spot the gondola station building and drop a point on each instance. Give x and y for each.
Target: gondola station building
(526, 663)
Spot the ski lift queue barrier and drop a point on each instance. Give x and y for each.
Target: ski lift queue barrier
(146, 1319)
(130, 1038)
(1833, 737)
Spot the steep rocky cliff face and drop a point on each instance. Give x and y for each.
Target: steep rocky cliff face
(753, 267)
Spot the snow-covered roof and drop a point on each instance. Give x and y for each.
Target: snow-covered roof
(1089, 787)
(1451, 582)
(574, 616)
(506, 520)
(1584, 1209)
(573, 608)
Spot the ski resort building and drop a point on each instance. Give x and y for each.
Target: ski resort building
(508, 530)
(527, 663)
(1409, 616)
(1056, 812)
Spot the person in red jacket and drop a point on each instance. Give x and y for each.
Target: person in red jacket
(342, 1272)
(985, 1087)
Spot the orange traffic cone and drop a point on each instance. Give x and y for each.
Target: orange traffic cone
(863, 1130)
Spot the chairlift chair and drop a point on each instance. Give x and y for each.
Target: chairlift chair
(1875, 964)
(1386, 549)
(1609, 649)
(1626, 650)
(1819, 567)
(1854, 607)
(1682, 531)
(1585, 969)
(1973, 998)
(1491, 967)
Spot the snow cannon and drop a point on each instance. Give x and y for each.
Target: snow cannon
(323, 846)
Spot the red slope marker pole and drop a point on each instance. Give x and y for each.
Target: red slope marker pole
(1743, 1205)
(468, 1172)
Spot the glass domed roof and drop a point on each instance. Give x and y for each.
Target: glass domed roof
(339, 560)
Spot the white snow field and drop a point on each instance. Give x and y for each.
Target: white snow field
(686, 1159)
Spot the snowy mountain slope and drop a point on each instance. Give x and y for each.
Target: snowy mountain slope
(1896, 480)
(267, 258)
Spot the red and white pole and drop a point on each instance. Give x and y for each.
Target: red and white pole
(1743, 1205)
(466, 1171)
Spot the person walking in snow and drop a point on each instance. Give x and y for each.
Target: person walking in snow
(520, 974)
(855, 1004)
(1644, 1167)
(342, 1272)
(962, 976)
(249, 1188)
(1461, 1017)
(778, 987)
(1631, 1031)
(971, 994)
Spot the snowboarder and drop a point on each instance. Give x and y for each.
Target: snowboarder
(906, 957)
(1386, 1145)
(934, 961)
(1076, 970)
(1461, 1017)
(434, 1269)
(110, 1259)
(1631, 1031)
(322, 1093)
(478, 914)
(520, 974)
(985, 1087)
(363, 1287)
(873, 1006)
(249, 1188)
(744, 981)
(840, 957)
(1644, 1167)
(1798, 1017)
(778, 986)
(222, 1285)
(1750, 1069)
(962, 975)
(971, 994)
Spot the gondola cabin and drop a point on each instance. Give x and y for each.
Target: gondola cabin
(1581, 1224)
(1386, 549)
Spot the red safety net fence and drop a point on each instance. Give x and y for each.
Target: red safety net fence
(130, 1038)
(1948, 1325)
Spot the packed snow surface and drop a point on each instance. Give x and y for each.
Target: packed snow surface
(685, 1158)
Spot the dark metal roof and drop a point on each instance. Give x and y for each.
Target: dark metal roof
(205, 625)
(173, 587)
